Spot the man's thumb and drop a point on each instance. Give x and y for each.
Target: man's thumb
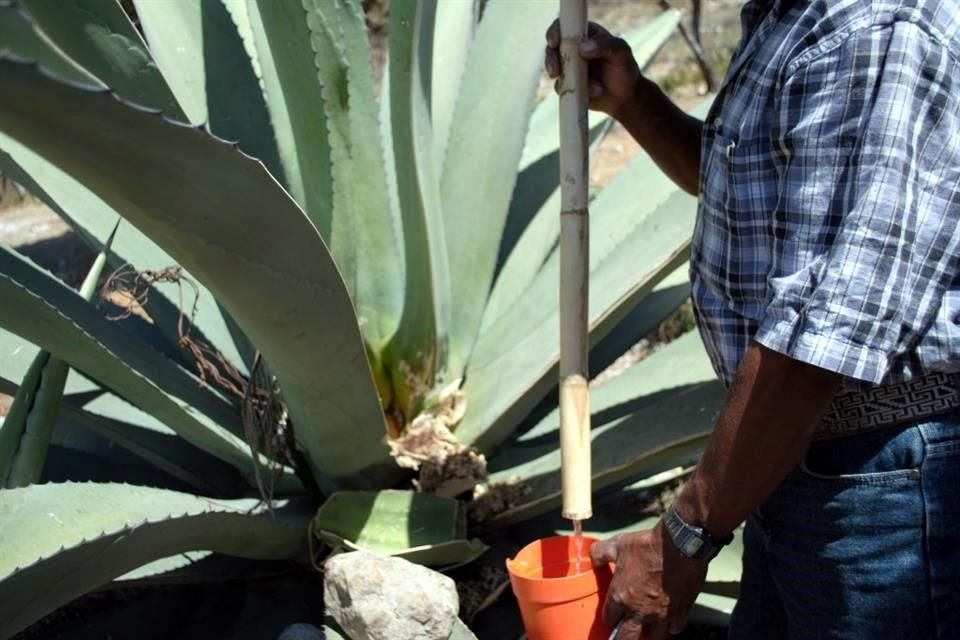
(604, 552)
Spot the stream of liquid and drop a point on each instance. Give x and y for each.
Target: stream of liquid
(578, 544)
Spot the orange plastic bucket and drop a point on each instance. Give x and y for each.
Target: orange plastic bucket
(556, 602)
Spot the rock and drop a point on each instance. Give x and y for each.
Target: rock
(301, 631)
(376, 597)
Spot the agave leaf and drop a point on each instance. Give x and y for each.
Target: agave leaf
(635, 244)
(197, 48)
(62, 540)
(165, 568)
(453, 32)
(533, 223)
(480, 166)
(93, 219)
(205, 203)
(47, 313)
(40, 414)
(98, 36)
(20, 36)
(711, 609)
(663, 301)
(278, 39)
(362, 235)
(654, 416)
(419, 349)
(165, 451)
(87, 214)
(12, 427)
(419, 527)
(90, 407)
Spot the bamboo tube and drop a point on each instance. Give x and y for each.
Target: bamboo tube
(574, 266)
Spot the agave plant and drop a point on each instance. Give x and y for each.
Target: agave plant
(331, 283)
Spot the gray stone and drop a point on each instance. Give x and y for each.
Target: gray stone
(302, 631)
(376, 597)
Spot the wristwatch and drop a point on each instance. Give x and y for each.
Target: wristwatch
(693, 542)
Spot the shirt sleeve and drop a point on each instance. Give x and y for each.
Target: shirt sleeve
(867, 145)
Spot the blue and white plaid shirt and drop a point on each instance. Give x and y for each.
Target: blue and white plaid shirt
(830, 182)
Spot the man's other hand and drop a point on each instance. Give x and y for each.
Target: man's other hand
(653, 586)
(612, 70)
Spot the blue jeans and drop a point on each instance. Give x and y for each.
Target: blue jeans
(860, 542)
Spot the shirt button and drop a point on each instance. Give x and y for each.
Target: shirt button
(718, 122)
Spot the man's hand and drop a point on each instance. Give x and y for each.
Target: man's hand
(611, 68)
(653, 586)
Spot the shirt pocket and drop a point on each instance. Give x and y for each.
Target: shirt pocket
(716, 177)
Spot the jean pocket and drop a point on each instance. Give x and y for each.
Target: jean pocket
(881, 457)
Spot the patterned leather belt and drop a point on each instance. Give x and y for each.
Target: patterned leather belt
(890, 405)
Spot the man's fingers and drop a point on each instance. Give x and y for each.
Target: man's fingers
(614, 609)
(630, 630)
(553, 34)
(604, 552)
(595, 89)
(605, 46)
(551, 62)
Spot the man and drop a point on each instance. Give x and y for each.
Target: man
(826, 287)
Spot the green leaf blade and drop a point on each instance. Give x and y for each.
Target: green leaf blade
(63, 540)
(480, 166)
(212, 222)
(421, 343)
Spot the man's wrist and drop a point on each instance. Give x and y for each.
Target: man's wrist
(643, 113)
(693, 542)
(691, 505)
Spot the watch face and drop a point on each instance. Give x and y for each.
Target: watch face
(693, 545)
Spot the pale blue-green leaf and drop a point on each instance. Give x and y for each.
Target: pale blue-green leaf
(421, 342)
(661, 303)
(453, 32)
(14, 423)
(419, 527)
(197, 48)
(21, 37)
(40, 415)
(362, 236)
(93, 219)
(205, 202)
(164, 569)
(533, 222)
(90, 407)
(98, 35)
(640, 234)
(713, 610)
(664, 434)
(283, 58)
(480, 166)
(62, 540)
(165, 451)
(47, 313)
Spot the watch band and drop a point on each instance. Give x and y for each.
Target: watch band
(693, 542)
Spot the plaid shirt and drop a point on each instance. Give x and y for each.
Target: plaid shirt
(830, 190)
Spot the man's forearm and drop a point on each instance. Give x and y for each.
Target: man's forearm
(670, 136)
(764, 428)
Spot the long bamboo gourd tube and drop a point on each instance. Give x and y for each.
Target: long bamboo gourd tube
(574, 266)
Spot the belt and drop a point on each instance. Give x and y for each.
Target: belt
(891, 405)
